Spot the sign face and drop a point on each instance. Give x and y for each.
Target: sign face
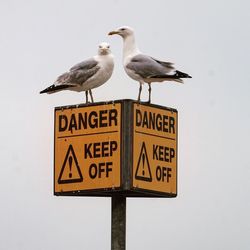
(87, 148)
(155, 149)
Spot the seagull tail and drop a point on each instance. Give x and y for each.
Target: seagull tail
(54, 88)
(176, 77)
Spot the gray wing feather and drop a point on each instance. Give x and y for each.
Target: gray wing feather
(78, 75)
(85, 65)
(165, 64)
(146, 66)
(64, 79)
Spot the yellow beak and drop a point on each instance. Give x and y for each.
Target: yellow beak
(113, 33)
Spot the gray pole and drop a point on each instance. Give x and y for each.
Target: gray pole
(118, 221)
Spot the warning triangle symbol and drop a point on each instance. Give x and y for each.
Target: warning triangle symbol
(70, 172)
(143, 171)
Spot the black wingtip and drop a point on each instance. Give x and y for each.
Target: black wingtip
(54, 88)
(180, 74)
(43, 91)
(47, 90)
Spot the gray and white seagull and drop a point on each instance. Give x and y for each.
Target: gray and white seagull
(143, 68)
(86, 75)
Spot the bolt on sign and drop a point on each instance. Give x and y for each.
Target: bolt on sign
(115, 147)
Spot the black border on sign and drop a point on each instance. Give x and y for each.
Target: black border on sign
(126, 152)
(113, 102)
(133, 193)
(177, 131)
(121, 122)
(54, 156)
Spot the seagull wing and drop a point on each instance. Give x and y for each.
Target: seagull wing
(76, 76)
(168, 65)
(151, 69)
(79, 73)
(146, 66)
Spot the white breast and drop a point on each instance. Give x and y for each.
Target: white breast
(106, 64)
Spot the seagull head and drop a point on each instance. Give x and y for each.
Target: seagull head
(104, 49)
(123, 31)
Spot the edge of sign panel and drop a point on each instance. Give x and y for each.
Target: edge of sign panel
(92, 192)
(141, 192)
(54, 152)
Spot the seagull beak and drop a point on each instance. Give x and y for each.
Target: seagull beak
(113, 33)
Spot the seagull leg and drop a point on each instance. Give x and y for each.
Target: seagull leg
(86, 93)
(139, 95)
(149, 92)
(92, 99)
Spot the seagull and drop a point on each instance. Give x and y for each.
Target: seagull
(86, 75)
(143, 68)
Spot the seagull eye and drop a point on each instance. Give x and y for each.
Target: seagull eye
(123, 29)
(100, 47)
(108, 47)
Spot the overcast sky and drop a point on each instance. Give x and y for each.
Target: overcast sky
(207, 39)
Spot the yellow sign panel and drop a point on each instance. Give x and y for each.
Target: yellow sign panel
(87, 148)
(155, 149)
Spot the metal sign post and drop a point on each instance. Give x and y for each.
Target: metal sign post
(118, 222)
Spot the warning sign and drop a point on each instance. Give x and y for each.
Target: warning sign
(155, 148)
(117, 147)
(143, 171)
(70, 172)
(87, 148)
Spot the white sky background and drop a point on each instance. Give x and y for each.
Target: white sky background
(207, 39)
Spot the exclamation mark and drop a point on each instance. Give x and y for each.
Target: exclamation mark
(70, 166)
(143, 162)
